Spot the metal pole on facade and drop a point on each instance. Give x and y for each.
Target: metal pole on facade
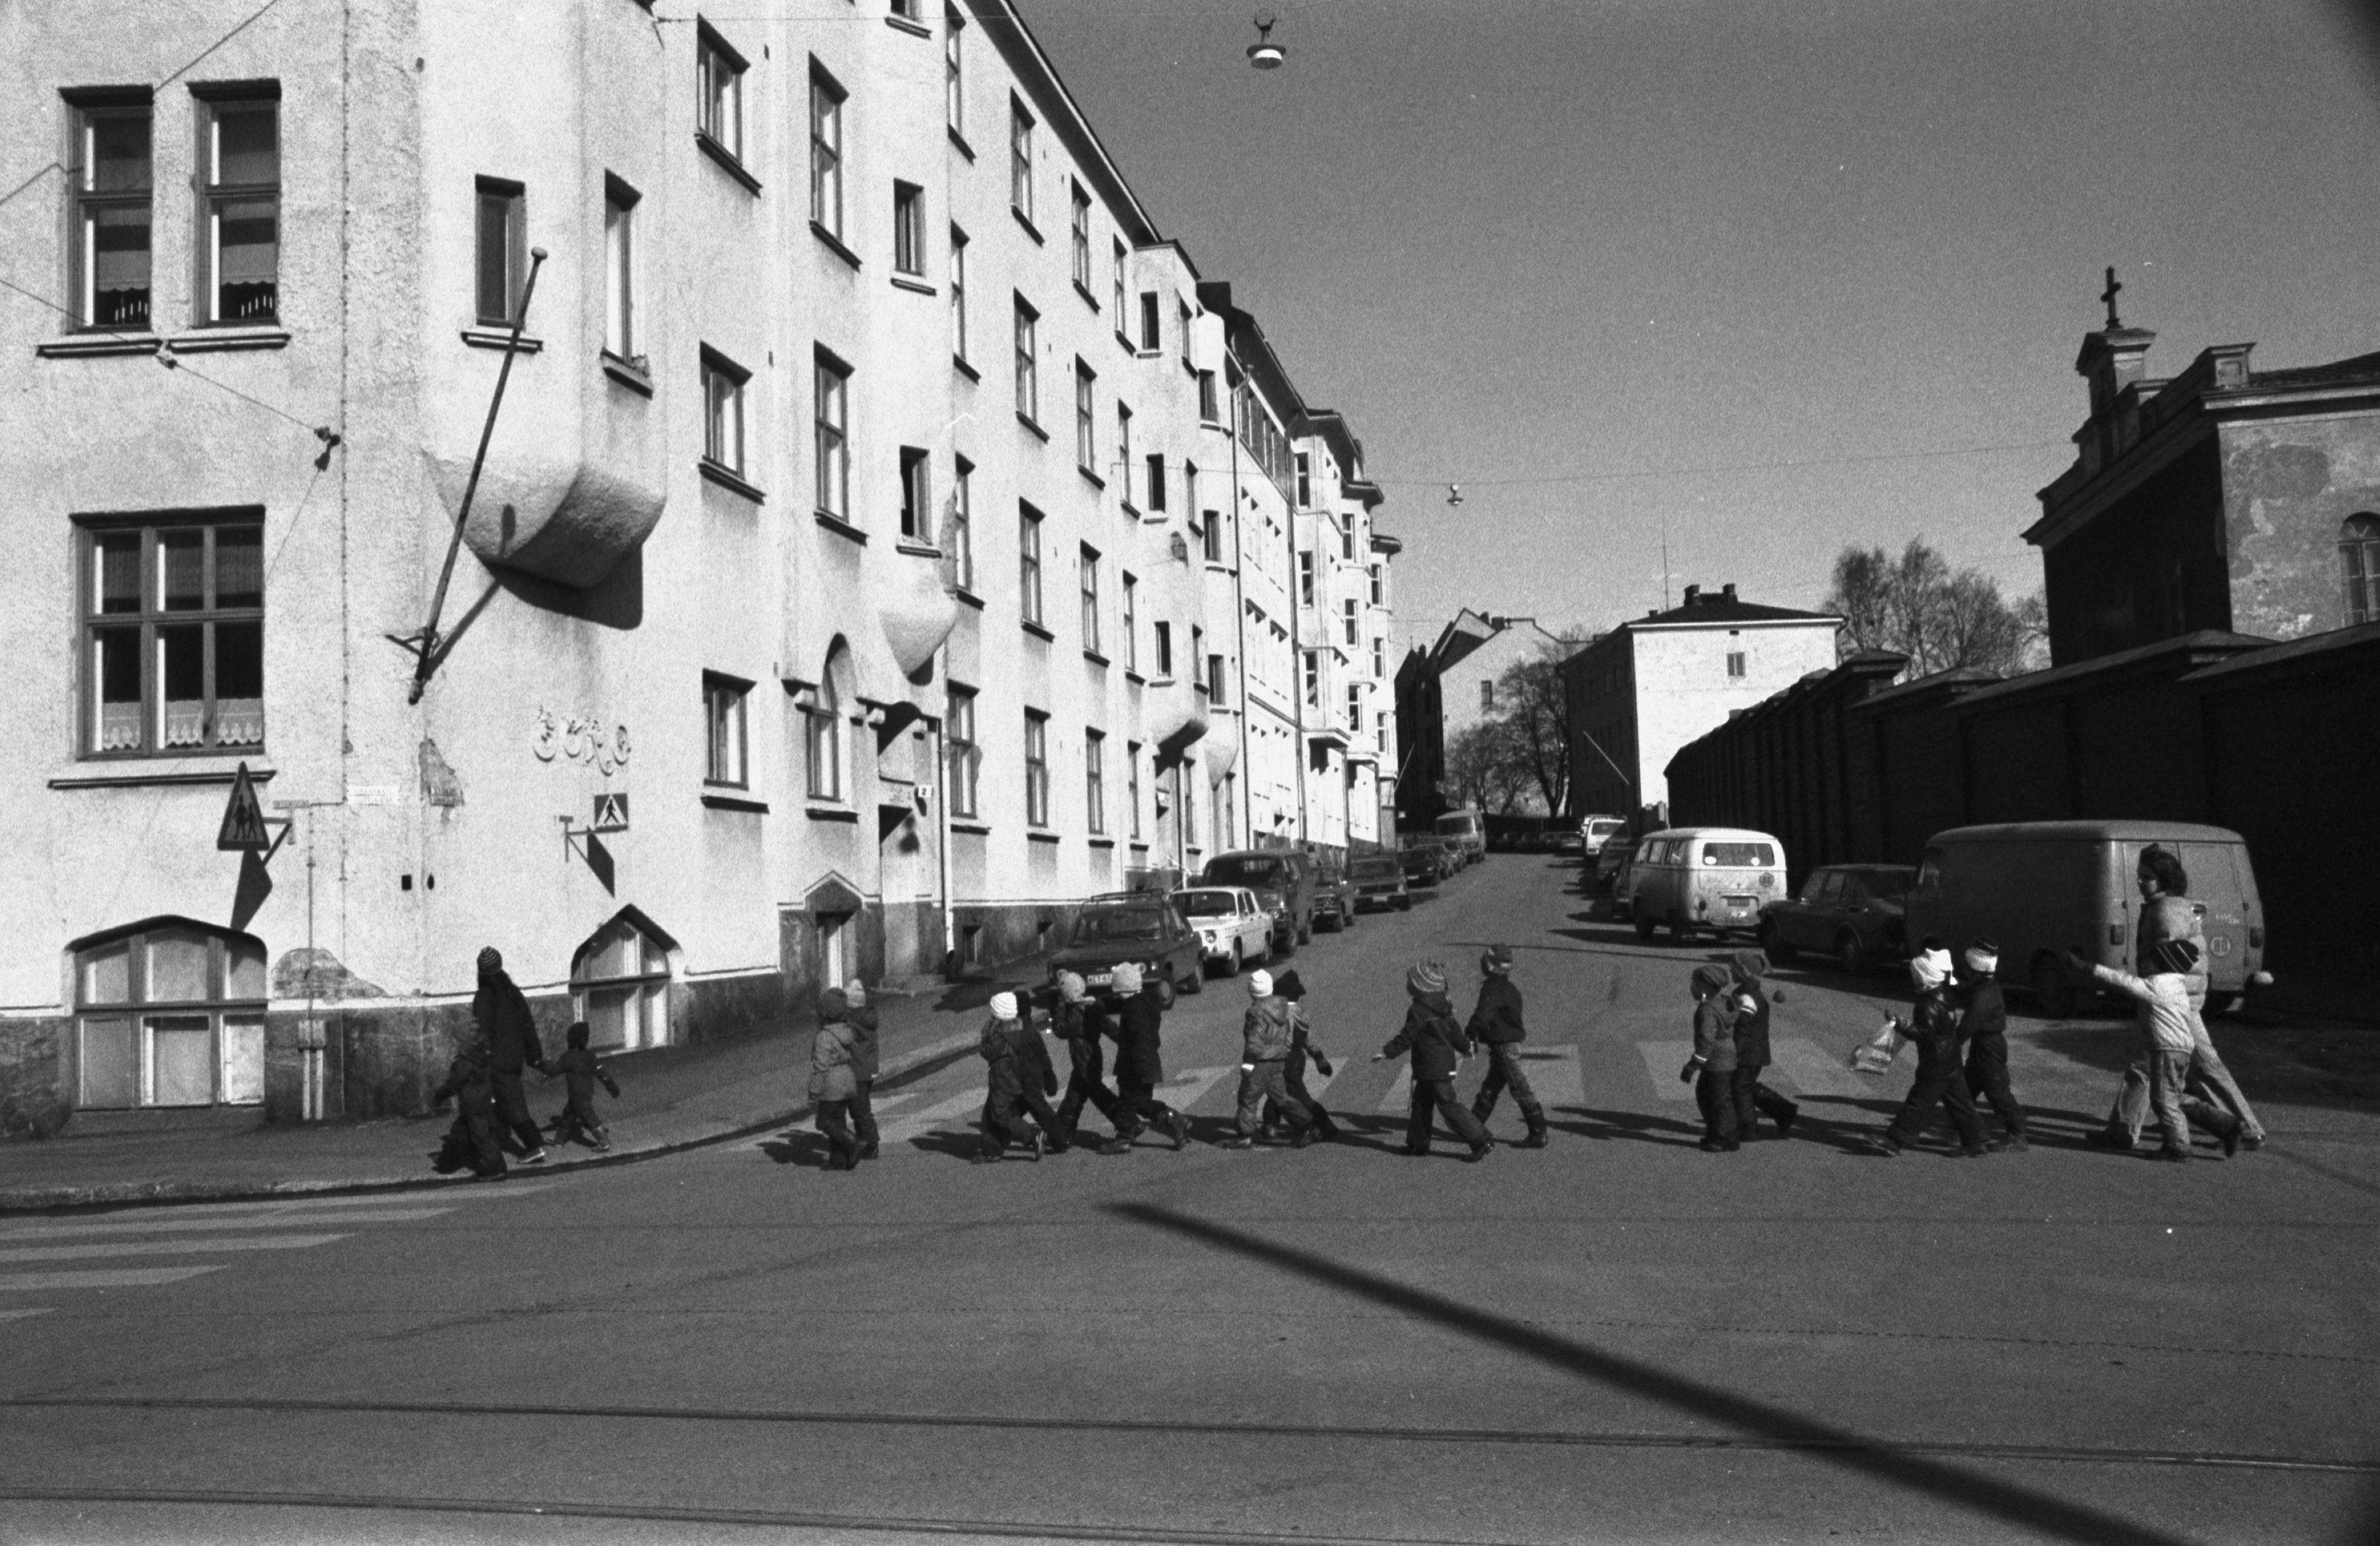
(1297, 653)
(1240, 613)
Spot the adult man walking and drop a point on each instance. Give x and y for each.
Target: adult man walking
(1265, 1038)
(1495, 1025)
(2167, 913)
(500, 1011)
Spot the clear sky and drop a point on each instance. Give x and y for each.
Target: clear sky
(1540, 247)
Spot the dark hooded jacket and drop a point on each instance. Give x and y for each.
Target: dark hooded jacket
(1268, 1030)
(1751, 1010)
(468, 1083)
(1432, 1036)
(1137, 1055)
(863, 1022)
(1018, 1059)
(1497, 1020)
(1984, 1019)
(501, 1011)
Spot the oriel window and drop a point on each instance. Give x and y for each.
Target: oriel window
(174, 636)
(111, 187)
(916, 495)
(240, 229)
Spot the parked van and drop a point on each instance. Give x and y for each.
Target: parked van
(1703, 880)
(2038, 889)
(1464, 832)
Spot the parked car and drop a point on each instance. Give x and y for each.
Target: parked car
(1138, 925)
(2039, 889)
(1282, 880)
(1595, 831)
(1334, 897)
(1379, 880)
(1234, 928)
(1464, 832)
(1611, 862)
(1850, 910)
(1566, 844)
(1425, 865)
(1703, 880)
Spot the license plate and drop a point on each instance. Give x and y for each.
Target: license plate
(1099, 980)
(1738, 904)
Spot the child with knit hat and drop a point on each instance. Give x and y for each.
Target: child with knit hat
(1934, 1026)
(1711, 1069)
(1078, 1020)
(1983, 1021)
(863, 1024)
(580, 1072)
(1495, 1025)
(1265, 1040)
(831, 1084)
(1140, 1067)
(1021, 1079)
(1291, 988)
(1754, 1099)
(1438, 1047)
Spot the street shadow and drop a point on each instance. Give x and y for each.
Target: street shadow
(2022, 1509)
(1629, 1127)
(805, 1150)
(2109, 1048)
(962, 1144)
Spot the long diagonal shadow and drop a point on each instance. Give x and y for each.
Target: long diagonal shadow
(1775, 1427)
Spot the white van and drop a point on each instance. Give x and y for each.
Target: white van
(1704, 880)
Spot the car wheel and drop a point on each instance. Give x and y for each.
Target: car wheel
(1644, 928)
(1680, 931)
(1404, 904)
(1856, 957)
(2053, 992)
(1195, 981)
(1305, 930)
(1774, 942)
(1166, 992)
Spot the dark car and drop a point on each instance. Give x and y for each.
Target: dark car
(1567, 844)
(1849, 910)
(1282, 880)
(1139, 926)
(1426, 865)
(1379, 880)
(1334, 897)
(1610, 860)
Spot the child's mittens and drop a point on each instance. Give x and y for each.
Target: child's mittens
(1686, 1075)
(1322, 1064)
(614, 1086)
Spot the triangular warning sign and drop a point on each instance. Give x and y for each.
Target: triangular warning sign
(243, 822)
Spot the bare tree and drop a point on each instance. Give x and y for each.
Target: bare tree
(1485, 766)
(1537, 715)
(1917, 606)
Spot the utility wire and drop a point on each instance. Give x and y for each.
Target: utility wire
(163, 359)
(1625, 474)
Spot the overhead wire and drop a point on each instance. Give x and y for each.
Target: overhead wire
(1626, 474)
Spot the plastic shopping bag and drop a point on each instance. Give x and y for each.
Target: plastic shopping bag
(1878, 1054)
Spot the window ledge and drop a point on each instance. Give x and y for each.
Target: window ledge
(1091, 478)
(971, 826)
(628, 373)
(958, 363)
(1155, 517)
(969, 597)
(82, 345)
(1131, 510)
(1037, 834)
(1027, 221)
(1037, 631)
(902, 24)
(915, 549)
(226, 340)
(841, 527)
(501, 338)
(960, 141)
(728, 481)
(1143, 354)
(130, 772)
(1216, 567)
(1085, 291)
(1040, 434)
(727, 161)
(911, 282)
(834, 243)
(735, 802)
(829, 813)
(1162, 679)
(1135, 677)
(1099, 842)
(1138, 846)
(1124, 341)
(1097, 659)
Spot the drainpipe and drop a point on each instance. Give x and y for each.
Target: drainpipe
(1240, 608)
(1297, 655)
(942, 818)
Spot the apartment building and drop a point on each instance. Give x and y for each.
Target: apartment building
(851, 579)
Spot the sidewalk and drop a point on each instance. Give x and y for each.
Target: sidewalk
(671, 1099)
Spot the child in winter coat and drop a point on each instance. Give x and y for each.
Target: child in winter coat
(1140, 1065)
(1302, 1048)
(1495, 1025)
(2165, 1019)
(1711, 1069)
(1983, 1020)
(1267, 1034)
(833, 1083)
(863, 1066)
(581, 1073)
(471, 1141)
(1021, 1078)
(1438, 1047)
(1934, 1026)
(1078, 1021)
(1754, 1099)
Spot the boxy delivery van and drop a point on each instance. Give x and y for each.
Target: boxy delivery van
(2038, 889)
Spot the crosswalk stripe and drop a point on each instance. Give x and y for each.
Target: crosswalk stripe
(299, 1203)
(1185, 1089)
(1399, 1099)
(1814, 1070)
(193, 1226)
(1317, 1081)
(1662, 1060)
(918, 1124)
(122, 1278)
(1554, 1074)
(163, 1247)
(20, 1314)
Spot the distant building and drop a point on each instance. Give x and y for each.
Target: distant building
(2225, 498)
(1648, 686)
(1450, 687)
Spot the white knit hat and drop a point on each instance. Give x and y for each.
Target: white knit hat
(1004, 1007)
(1260, 983)
(1929, 968)
(1127, 977)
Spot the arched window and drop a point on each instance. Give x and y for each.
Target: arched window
(619, 985)
(169, 1013)
(822, 727)
(2359, 557)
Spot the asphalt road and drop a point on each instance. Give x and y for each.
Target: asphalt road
(1619, 1338)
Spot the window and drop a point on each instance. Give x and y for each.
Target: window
(1354, 707)
(907, 9)
(1347, 619)
(1037, 769)
(1082, 241)
(822, 738)
(1157, 481)
(965, 757)
(917, 501)
(1379, 661)
(719, 86)
(1190, 491)
(1304, 482)
(1305, 578)
(112, 239)
(830, 388)
(1162, 636)
(1182, 307)
(502, 250)
(174, 636)
(1378, 583)
(1211, 534)
(619, 985)
(1216, 681)
(826, 153)
(958, 294)
(958, 534)
(1736, 663)
(241, 208)
(1313, 679)
(620, 334)
(1028, 565)
(954, 80)
(723, 411)
(1020, 160)
(1085, 437)
(1116, 296)
(1131, 624)
(1123, 450)
(1347, 541)
(1132, 788)
(2359, 561)
(1095, 780)
(1487, 696)
(1028, 372)
(1209, 408)
(1151, 338)
(908, 230)
(172, 1014)
(723, 711)
(1090, 583)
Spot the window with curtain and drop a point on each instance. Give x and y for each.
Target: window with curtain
(240, 228)
(112, 176)
(170, 1015)
(172, 635)
(619, 985)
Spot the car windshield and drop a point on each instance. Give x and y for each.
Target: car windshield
(1251, 870)
(1603, 828)
(1100, 925)
(1206, 904)
(1739, 855)
(1457, 826)
(1370, 869)
(1887, 885)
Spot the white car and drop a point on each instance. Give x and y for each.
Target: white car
(1232, 925)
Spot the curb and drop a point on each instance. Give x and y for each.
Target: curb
(67, 1198)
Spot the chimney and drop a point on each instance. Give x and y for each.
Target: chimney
(1693, 594)
(1727, 592)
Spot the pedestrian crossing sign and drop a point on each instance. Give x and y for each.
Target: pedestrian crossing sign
(243, 827)
(611, 812)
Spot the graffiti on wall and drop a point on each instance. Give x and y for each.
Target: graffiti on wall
(580, 739)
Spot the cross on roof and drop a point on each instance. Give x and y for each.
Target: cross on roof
(2109, 295)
